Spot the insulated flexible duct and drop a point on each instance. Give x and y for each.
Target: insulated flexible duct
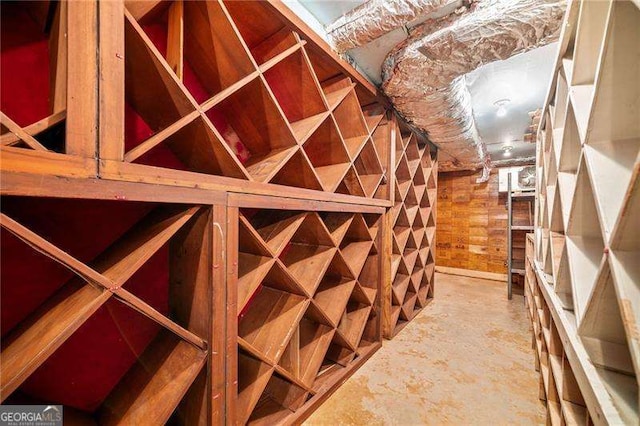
(425, 75)
(375, 18)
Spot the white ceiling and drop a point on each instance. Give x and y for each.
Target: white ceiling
(523, 79)
(327, 11)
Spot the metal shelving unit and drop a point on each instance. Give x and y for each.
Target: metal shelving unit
(516, 266)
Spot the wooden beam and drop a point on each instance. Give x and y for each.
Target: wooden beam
(9, 139)
(115, 170)
(218, 339)
(58, 60)
(111, 78)
(387, 280)
(82, 74)
(20, 133)
(20, 160)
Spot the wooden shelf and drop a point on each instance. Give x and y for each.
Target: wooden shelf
(328, 155)
(368, 167)
(141, 255)
(276, 228)
(412, 264)
(350, 120)
(585, 245)
(593, 277)
(208, 90)
(263, 146)
(262, 31)
(331, 299)
(121, 265)
(293, 84)
(152, 389)
(589, 38)
(278, 401)
(252, 379)
(352, 325)
(189, 276)
(266, 323)
(307, 350)
(310, 310)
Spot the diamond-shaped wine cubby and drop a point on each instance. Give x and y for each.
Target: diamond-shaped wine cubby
(212, 90)
(122, 296)
(33, 108)
(413, 219)
(308, 296)
(586, 236)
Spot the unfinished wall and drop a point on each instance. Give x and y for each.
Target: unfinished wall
(472, 223)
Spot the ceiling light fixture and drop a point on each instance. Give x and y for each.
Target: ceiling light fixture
(501, 104)
(506, 150)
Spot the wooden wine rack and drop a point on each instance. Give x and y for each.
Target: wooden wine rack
(212, 90)
(587, 239)
(308, 304)
(117, 318)
(558, 385)
(413, 219)
(195, 212)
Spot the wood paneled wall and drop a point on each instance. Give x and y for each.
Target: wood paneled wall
(472, 223)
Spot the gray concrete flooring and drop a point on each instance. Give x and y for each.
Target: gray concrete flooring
(465, 359)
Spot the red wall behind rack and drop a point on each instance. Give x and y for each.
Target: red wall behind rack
(85, 368)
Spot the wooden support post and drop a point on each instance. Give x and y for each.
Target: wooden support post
(385, 273)
(82, 71)
(218, 341)
(231, 312)
(111, 95)
(58, 60)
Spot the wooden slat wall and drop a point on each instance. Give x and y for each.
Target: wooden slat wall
(472, 223)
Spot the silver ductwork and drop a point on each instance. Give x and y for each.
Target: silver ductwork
(425, 75)
(375, 18)
(508, 162)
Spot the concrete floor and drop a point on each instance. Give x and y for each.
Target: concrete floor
(466, 359)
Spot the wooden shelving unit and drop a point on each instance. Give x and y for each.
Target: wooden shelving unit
(308, 304)
(520, 216)
(246, 97)
(110, 318)
(586, 238)
(558, 384)
(413, 236)
(208, 93)
(194, 223)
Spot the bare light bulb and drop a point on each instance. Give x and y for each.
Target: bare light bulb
(506, 150)
(501, 112)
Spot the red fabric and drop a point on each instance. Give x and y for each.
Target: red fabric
(136, 131)
(82, 228)
(84, 370)
(157, 33)
(24, 65)
(229, 135)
